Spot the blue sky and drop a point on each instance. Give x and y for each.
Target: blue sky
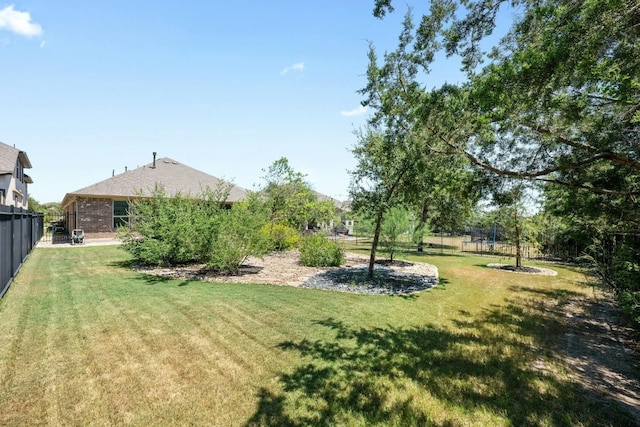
(225, 87)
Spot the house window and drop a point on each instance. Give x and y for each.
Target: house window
(120, 214)
(3, 197)
(19, 171)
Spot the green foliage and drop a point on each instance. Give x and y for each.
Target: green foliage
(238, 236)
(555, 101)
(177, 230)
(34, 205)
(318, 251)
(519, 226)
(616, 263)
(363, 226)
(164, 231)
(281, 237)
(394, 224)
(289, 199)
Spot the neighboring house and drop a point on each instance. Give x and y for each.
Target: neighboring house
(101, 208)
(342, 209)
(13, 180)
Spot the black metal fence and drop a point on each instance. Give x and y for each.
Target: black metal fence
(20, 230)
(57, 228)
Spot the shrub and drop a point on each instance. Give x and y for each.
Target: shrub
(164, 231)
(177, 230)
(282, 237)
(239, 236)
(318, 251)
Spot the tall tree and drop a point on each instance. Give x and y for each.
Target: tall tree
(388, 150)
(400, 159)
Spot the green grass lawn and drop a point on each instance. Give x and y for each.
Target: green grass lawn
(85, 340)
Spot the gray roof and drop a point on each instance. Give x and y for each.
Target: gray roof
(169, 174)
(324, 198)
(9, 156)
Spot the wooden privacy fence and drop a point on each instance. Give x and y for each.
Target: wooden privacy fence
(20, 230)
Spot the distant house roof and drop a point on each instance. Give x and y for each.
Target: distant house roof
(9, 156)
(324, 198)
(169, 174)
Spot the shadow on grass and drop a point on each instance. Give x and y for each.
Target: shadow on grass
(495, 365)
(434, 254)
(126, 264)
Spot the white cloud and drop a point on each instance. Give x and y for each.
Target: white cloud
(298, 66)
(18, 22)
(355, 112)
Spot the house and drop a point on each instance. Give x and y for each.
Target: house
(343, 209)
(13, 180)
(101, 208)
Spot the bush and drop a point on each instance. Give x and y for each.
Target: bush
(318, 251)
(239, 236)
(165, 231)
(282, 237)
(177, 230)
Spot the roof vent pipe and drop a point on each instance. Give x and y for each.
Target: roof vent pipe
(154, 159)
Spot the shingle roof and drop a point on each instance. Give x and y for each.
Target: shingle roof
(173, 176)
(8, 157)
(324, 198)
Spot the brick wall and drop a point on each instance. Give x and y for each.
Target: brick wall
(95, 216)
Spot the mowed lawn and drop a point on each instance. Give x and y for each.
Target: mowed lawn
(85, 340)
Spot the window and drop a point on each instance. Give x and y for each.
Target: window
(3, 197)
(19, 171)
(120, 213)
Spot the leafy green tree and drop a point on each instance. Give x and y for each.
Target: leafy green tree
(512, 215)
(400, 156)
(557, 100)
(34, 205)
(290, 200)
(389, 149)
(559, 96)
(382, 169)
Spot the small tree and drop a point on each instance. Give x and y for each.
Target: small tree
(512, 215)
(395, 223)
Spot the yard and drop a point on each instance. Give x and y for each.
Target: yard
(85, 339)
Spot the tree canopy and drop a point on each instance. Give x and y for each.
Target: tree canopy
(556, 101)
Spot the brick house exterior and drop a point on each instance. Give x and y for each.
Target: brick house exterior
(13, 180)
(100, 208)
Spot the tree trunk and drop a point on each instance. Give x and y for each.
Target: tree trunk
(518, 253)
(420, 227)
(374, 245)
